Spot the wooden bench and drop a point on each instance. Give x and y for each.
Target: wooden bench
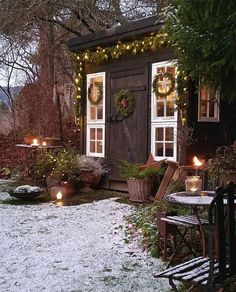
(219, 268)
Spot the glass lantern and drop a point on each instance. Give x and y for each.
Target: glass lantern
(193, 185)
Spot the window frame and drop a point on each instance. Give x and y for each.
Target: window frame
(89, 77)
(216, 117)
(154, 116)
(88, 151)
(164, 125)
(96, 123)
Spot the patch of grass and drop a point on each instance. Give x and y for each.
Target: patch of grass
(143, 221)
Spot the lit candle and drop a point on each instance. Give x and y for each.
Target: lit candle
(44, 143)
(59, 195)
(197, 164)
(35, 142)
(193, 185)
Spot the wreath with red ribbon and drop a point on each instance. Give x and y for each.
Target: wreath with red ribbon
(124, 103)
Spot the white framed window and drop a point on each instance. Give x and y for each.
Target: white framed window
(164, 141)
(208, 104)
(163, 113)
(163, 107)
(95, 140)
(96, 114)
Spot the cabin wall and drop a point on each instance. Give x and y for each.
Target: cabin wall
(210, 135)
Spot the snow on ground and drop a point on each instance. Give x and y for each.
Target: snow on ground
(72, 248)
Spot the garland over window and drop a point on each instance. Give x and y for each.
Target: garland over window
(124, 103)
(156, 80)
(114, 52)
(98, 96)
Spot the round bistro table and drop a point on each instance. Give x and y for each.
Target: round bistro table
(204, 199)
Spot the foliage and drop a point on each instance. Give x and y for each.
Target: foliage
(89, 163)
(60, 164)
(203, 34)
(222, 163)
(124, 103)
(66, 167)
(45, 164)
(143, 220)
(131, 170)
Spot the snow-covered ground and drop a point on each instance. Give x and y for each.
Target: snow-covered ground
(72, 248)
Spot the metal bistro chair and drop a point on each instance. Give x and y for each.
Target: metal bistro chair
(219, 269)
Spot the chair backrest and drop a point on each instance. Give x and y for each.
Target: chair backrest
(222, 232)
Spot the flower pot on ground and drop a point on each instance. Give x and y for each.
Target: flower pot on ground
(58, 167)
(140, 182)
(139, 189)
(91, 172)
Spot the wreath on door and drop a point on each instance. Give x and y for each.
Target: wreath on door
(95, 98)
(124, 103)
(156, 80)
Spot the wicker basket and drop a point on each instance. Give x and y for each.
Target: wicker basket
(139, 189)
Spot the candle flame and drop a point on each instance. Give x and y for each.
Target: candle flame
(59, 195)
(44, 143)
(35, 141)
(196, 161)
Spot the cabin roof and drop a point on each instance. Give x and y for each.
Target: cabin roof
(127, 32)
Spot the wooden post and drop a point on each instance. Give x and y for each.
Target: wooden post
(172, 166)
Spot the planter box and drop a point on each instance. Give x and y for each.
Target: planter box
(139, 189)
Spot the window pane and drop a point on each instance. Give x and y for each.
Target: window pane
(92, 134)
(159, 134)
(169, 149)
(171, 70)
(159, 149)
(160, 109)
(211, 109)
(161, 89)
(169, 108)
(100, 113)
(203, 109)
(99, 134)
(99, 147)
(169, 134)
(93, 113)
(92, 146)
(203, 93)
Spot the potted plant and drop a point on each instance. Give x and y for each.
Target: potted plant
(56, 168)
(91, 171)
(140, 182)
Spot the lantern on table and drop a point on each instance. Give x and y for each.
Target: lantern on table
(193, 185)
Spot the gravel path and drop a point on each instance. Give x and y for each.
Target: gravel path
(72, 248)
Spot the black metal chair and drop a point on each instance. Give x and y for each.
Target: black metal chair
(219, 269)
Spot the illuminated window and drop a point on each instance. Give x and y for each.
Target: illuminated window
(96, 114)
(164, 115)
(208, 104)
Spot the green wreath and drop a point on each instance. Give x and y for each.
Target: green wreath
(155, 84)
(124, 103)
(99, 96)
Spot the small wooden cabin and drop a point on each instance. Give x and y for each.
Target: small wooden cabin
(132, 58)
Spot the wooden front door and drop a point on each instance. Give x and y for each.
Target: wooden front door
(127, 138)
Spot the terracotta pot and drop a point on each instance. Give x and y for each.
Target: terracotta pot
(28, 139)
(87, 179)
